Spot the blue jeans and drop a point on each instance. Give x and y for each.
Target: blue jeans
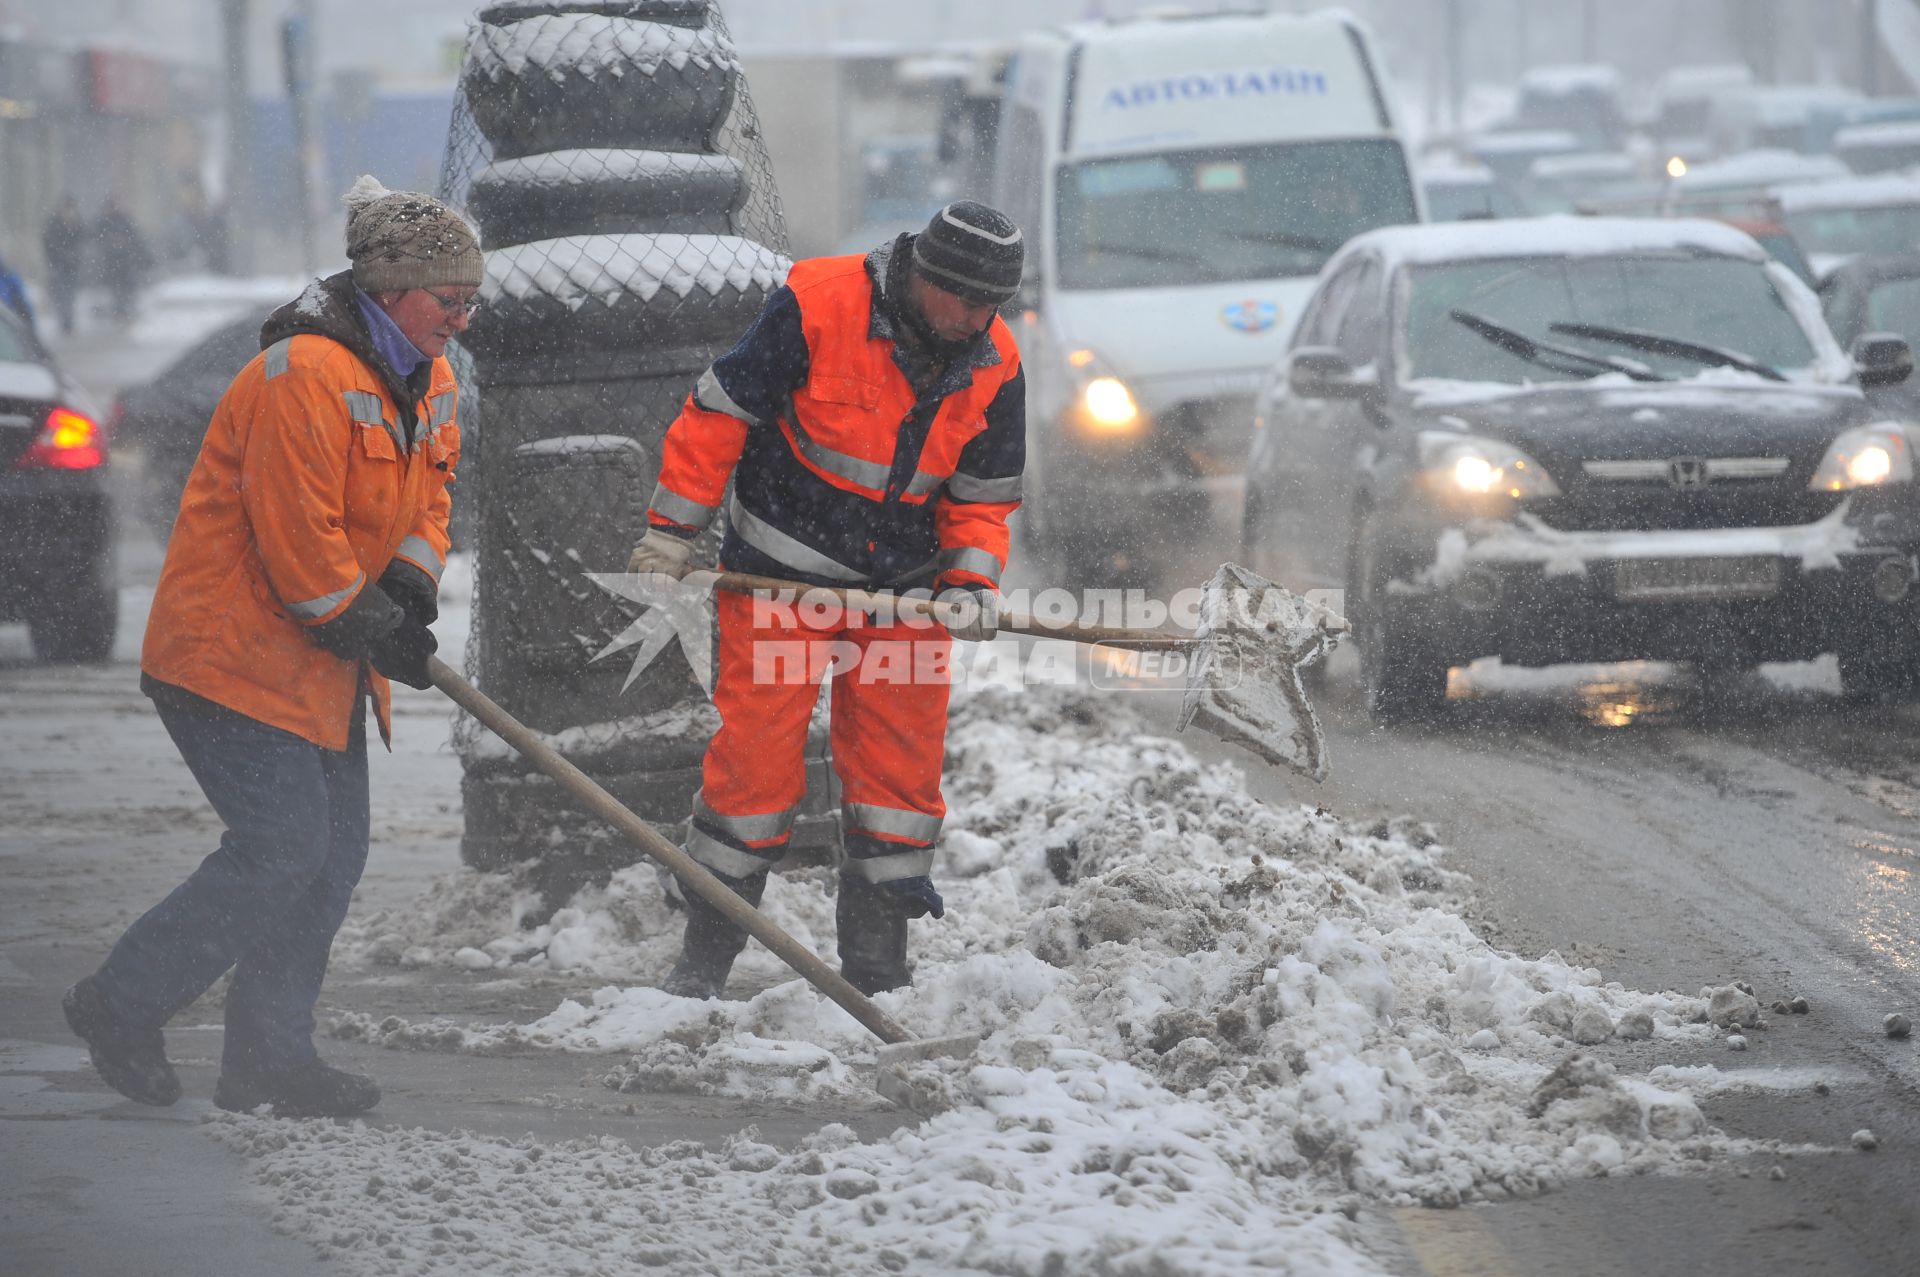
(268, 902)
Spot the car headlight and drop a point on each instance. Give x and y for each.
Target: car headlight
(1470, 466)
(1866, 457)
(1109, 403)
(1105, 404)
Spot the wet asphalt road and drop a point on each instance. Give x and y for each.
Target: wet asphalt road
(1675, 834)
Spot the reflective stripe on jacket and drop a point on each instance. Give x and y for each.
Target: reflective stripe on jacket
(844, 472)
(306, 488)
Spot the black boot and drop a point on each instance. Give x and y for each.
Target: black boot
(873, 937)
(130, 1059)
(712, 942)
(309, 1089)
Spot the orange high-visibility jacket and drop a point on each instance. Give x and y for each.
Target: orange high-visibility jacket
(306, 489)
(845, 472)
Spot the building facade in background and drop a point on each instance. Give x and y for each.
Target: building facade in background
(863, 101)
(100, 125)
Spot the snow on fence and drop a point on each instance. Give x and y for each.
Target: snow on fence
(610, 154)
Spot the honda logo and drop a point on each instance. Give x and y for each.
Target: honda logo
(1687, 474)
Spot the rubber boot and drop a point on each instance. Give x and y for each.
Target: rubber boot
(711, 942)
(873, 937)
(309, 1089)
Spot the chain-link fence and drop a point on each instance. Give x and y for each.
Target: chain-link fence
(610, 154)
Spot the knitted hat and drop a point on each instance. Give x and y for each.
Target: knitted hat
(404, 239)
(971, 251)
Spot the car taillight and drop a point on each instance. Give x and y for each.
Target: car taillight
(70, 441)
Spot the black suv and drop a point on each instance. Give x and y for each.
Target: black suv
(56, 516)
(1586, 439)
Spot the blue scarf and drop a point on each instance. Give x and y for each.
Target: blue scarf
(401, 355)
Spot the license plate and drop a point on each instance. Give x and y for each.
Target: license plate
(1652, 580)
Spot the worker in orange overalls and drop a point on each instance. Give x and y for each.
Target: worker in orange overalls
(301, 575)
(873, 421)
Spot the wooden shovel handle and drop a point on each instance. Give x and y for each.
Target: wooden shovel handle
(692, 875)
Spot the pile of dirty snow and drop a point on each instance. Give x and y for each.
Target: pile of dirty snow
(1211, 1028)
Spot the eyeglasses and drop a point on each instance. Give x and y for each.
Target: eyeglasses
(454, 306)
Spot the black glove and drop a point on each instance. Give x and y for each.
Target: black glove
(915, 897)
(413, 590)
(401, 653)
(352, 634)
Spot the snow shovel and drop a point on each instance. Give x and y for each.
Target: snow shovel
(1243, 660)
(900, 1045)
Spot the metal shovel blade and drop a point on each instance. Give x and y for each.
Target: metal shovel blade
(1244, 685)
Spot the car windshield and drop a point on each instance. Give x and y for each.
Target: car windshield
(1893, 229)
(1210, 216)
(1723, 303)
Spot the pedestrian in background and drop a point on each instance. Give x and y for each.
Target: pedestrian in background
(302, 574)
(63, 242)
(124, 258)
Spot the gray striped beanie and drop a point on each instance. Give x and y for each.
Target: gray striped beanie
(971, 251)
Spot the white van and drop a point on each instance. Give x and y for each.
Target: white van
(1181, 181)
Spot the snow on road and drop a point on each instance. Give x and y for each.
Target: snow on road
(1213, 1029)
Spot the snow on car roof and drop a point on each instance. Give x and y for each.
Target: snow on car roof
(1452, 170)
(1887, 133)
(1586, 164)
(1786, 104)
(1558, 81)
(1522, 140)
(1764, 167)
(1703, 79)
(1881, 191)
(1876, 268)
(1561, 235)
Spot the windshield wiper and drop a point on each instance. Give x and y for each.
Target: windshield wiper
(1656, 344)
(1551, 355)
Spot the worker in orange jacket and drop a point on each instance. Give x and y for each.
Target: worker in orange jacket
(301, 575)
(873, 421)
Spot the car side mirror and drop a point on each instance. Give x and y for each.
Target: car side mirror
(1322, 372)
(1882, 359)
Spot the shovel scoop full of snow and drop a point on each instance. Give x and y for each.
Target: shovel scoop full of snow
(1253, 639)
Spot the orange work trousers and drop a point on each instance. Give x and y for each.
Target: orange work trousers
(888, 727)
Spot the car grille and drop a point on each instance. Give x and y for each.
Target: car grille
(1686, 472)
(1686, 493)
